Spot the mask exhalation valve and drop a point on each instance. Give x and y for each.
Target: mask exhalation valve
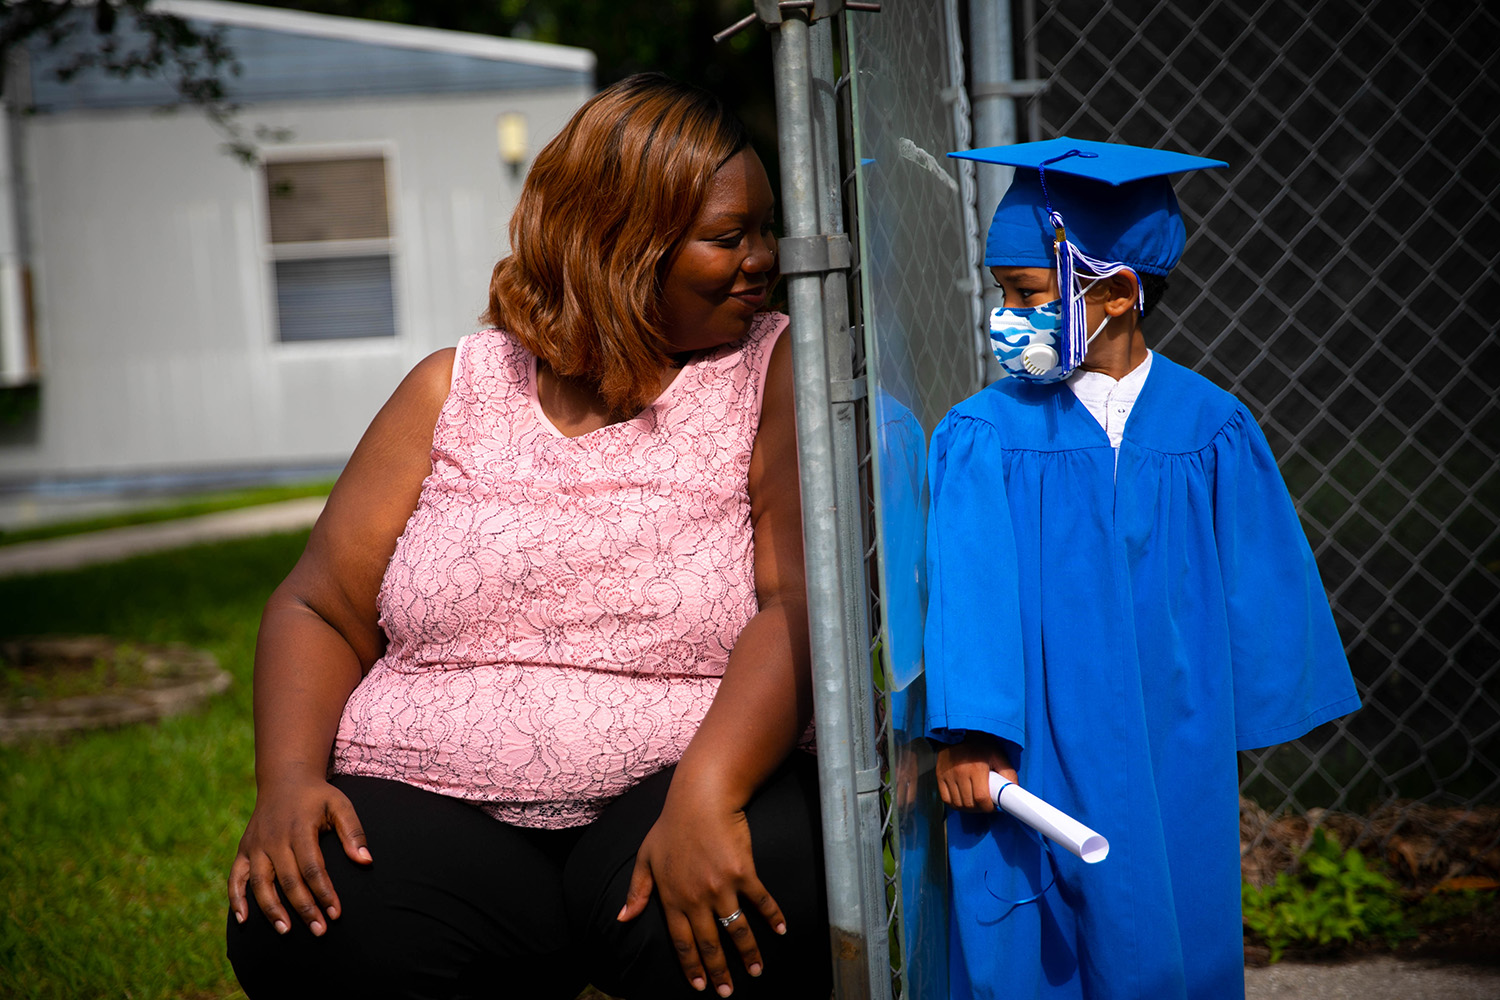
(1039, 358)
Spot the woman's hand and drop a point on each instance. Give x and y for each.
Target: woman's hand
(963, 772)
(697, 856)
(319, 634)
(280, 847)
(698, 859)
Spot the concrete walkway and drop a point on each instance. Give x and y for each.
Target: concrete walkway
(1379, 977)
(72, 551)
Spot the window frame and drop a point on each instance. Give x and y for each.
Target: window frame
(271, 253)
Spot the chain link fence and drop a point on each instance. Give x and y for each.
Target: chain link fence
(1340, 278)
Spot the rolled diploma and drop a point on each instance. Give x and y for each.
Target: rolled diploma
(1048, 820)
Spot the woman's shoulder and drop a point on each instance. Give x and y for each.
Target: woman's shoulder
(742, 367)
(765, 330)
(764, 333)
(491, 342)
(429, 381)
(769, 324)
(487, 355)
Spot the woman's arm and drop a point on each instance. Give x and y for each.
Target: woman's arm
(318, 637)
(698, 854)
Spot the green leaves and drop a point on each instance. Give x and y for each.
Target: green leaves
(1336, 897)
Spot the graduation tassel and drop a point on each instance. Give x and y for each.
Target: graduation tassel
(1074, 336)
(1072, 261)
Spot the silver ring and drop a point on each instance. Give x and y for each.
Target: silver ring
(724, 922)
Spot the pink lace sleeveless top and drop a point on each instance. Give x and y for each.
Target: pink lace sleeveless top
(560, 610)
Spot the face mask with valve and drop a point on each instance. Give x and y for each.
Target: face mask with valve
(1026, 342)
(1031, 344)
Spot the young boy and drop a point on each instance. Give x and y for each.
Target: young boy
(1121, 598)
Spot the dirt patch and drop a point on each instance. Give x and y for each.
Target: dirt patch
(1473, 939)
(60, 685)
(1422, 846)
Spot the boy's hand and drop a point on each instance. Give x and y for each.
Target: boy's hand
(963, 772)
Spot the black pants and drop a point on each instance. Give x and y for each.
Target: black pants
(457, 904)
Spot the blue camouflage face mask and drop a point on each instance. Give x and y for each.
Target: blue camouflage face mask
(1029, 343)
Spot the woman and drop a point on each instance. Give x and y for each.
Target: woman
(550, 630)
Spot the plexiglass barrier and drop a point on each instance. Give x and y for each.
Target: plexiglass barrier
(917, 304)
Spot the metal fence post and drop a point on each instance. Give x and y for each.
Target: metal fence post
(991, 94)
(846, 388)
(804, 272)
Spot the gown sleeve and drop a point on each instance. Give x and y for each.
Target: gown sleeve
(972, 638)
(1290, 672)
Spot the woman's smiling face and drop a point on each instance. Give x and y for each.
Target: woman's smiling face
(724, 269)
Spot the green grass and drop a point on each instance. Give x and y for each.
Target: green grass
(114, 845)
(170, 511)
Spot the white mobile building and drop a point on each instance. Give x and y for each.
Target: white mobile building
(167, 311)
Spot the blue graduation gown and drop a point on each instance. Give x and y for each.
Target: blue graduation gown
(1127, 629)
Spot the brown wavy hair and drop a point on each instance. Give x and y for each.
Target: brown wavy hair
(603, 211)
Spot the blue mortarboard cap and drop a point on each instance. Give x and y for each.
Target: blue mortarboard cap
(1114, 200)
(1111, 162)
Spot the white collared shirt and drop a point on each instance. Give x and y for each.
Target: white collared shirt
(1110, 401)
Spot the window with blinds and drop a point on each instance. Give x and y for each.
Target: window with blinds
(331, 248)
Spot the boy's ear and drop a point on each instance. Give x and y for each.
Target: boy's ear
(1121, 294)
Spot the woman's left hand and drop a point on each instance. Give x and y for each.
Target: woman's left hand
(697, 857)
(698, 860)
